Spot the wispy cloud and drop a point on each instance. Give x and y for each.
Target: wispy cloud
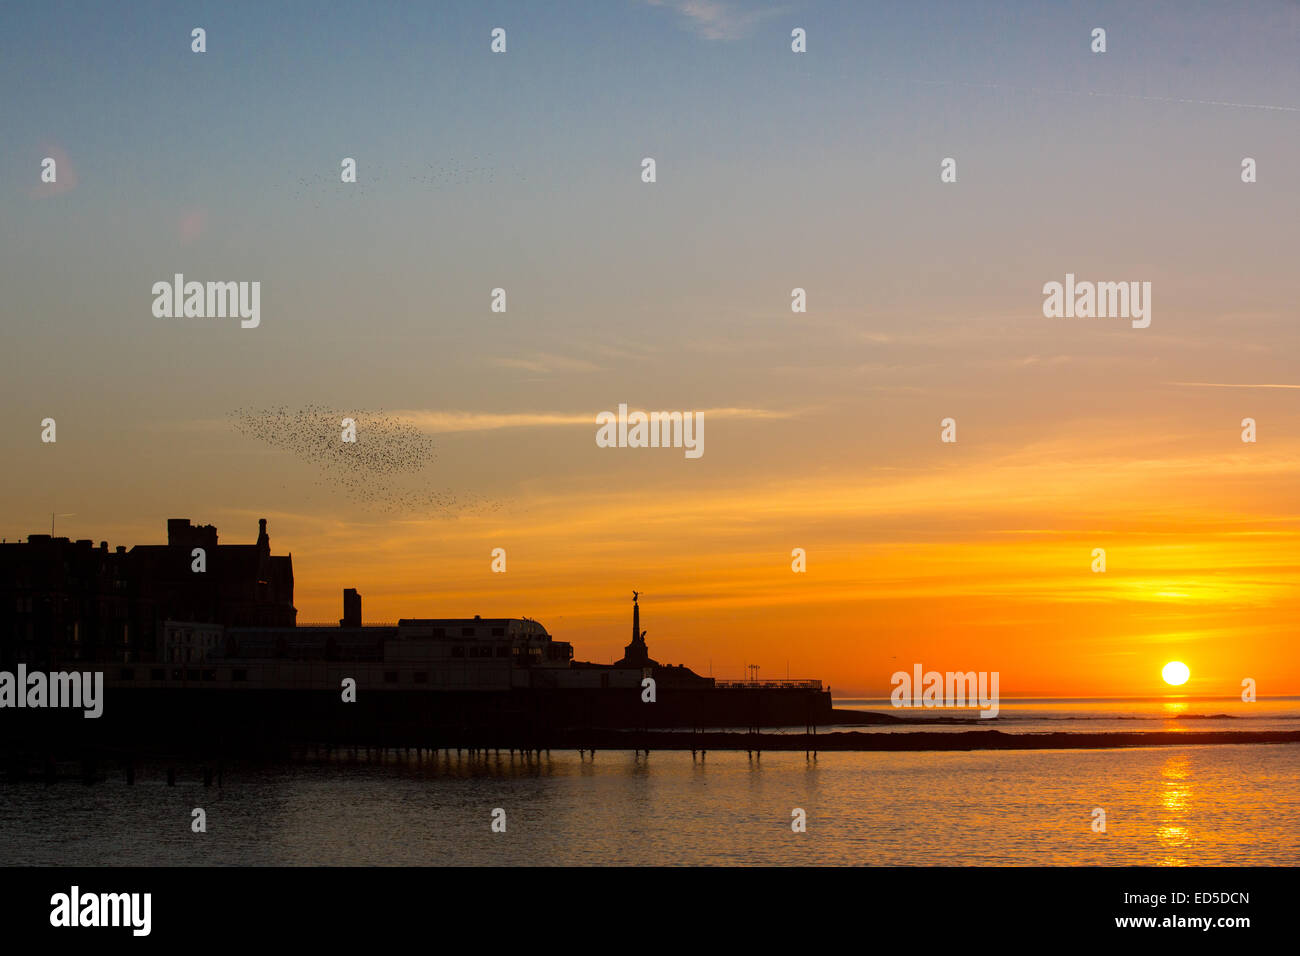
(716, 19)
(545, 363)
(459, 421)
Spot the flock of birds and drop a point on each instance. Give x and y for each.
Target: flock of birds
(375, 470)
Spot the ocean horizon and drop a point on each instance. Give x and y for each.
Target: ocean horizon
(1019, 715)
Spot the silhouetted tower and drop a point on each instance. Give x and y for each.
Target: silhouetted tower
(636, 654)
(351, 608)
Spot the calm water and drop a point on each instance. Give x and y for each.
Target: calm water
(1099, 715)
(1178, 805)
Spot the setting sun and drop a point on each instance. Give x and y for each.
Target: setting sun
(1176, 673)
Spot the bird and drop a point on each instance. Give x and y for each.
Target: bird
(380, 470)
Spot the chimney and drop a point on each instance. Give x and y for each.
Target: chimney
(351, 608)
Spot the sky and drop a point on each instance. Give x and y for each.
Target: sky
(774, 170)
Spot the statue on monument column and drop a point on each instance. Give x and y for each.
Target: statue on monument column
(636, 654)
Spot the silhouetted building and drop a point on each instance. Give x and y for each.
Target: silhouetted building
(199, 637)
(351, 608)
(242, 585)
(69, 601)
(192, 642)
(64, 600)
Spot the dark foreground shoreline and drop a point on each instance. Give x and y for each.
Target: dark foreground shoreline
(98, 765)
(43, 750)
(911, 741)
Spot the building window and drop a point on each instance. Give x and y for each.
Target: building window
(126, 673)
(239, 673)
(191, 675)
(503, 650)
(467, 632)
(422, 677)
(458, 650)
(439, 632)
(390, 677)
(498, 632)
(157, 673)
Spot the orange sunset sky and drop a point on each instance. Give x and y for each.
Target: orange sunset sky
(822, 428)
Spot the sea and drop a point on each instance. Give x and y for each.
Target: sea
(1168, 805)
(1092, 715)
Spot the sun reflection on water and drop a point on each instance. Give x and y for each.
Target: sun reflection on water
(1175, 796)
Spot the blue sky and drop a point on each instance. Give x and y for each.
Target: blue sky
(478, 171)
